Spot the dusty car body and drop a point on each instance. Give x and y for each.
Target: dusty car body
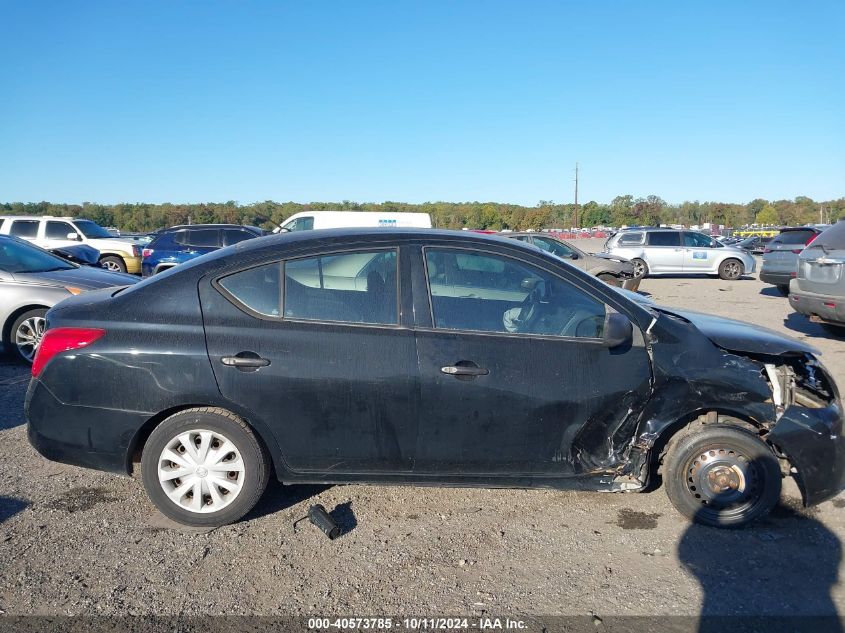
(33, 280)
(611, 269)
(818, 290)
(780, 256)
(463, 360)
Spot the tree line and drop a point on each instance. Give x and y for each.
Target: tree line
(622, 210)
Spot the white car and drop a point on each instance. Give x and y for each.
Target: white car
(671, 252)
(308, 220)
(116, 254)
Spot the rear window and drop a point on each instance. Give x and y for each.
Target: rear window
(664, 238)
(631, 238)
(24, 228)
(832, 238)
(793, 237)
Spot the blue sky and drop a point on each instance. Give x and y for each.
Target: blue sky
(420, 101)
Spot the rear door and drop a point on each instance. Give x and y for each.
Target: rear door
(514, 377)
(664, 251)
(699, 254)
(315, 347)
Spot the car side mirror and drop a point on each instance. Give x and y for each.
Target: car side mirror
(618, 330)
(72, 236)
(573, 256)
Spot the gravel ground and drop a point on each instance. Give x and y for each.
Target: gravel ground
(75, 541)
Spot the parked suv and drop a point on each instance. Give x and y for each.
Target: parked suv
(780, 257)
(818, 290)
(671, 251)
(616, 271)
(179, 244)
(116, 254)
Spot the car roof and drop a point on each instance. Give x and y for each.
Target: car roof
(787, 229)
(180, 227)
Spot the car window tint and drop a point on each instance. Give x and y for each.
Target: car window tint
(831, 238)
(691, 238)
(203, 238)
(489, 293)
(664, 238)
(793, 237)
(24, 228)
(58, 230)
(553, 246)
(300, 224)
(256, 288)
(357, 287)
(631, 238)
(233, 236)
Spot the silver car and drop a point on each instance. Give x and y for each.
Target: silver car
(780, 257)
(32, 281)
(672, 252)
(818, 290)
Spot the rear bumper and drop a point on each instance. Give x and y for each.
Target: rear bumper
(814, 442)
(775, 278)
(828, 308)
(81, 436)
(133, 265)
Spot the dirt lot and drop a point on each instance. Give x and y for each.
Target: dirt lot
(74, 541)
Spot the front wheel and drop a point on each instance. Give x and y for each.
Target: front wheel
(113, 263)
(26, 334)
(204, 467)
(730, 269)
(640, 268)
(722, 476)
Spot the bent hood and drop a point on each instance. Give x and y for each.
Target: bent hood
(739, 336)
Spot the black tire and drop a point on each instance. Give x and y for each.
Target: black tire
(113, 263)
(253, 456)
(640, 268)
(731, 269)
(610, 280)
(21, 328)
(705, 469)
(784, 290)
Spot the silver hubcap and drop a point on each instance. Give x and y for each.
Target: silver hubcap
(112, 265)
(732, 269)
(639, 269)
(201, 471)
(28, 336)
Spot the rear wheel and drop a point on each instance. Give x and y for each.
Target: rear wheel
(26, 334)
(204, 467)
(832, 328)
(722, 476)
(730, 269)
(784, 289)
(640, 268)
(113, 263)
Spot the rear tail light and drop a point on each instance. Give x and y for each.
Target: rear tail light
(767, 250)
(136, 250)
(829, 304)
(62, 339)
(147, 252)
(812, 237)
(797, 250)
(793, 275)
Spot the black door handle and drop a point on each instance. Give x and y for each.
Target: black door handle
(245, 361)
(464, 369)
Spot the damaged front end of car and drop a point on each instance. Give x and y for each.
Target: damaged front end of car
(738, 374)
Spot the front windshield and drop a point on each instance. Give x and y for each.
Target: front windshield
(17, 256)
(91, 230)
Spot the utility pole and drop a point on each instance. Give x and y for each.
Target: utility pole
(575, 220)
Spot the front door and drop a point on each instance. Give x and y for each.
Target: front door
(514, 376)
(699, 253)
(330, 371)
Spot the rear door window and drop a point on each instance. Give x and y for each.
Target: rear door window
(357, 287)
(233, 236)
(258, 289)
(697, 240)
(203, 238)
(553, 246)
(664, 238)
(24, 228)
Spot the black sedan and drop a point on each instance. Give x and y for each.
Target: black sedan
(424, 357)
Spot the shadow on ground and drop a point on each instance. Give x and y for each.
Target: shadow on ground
(800, 323)
(752, 573)
(10, 506)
